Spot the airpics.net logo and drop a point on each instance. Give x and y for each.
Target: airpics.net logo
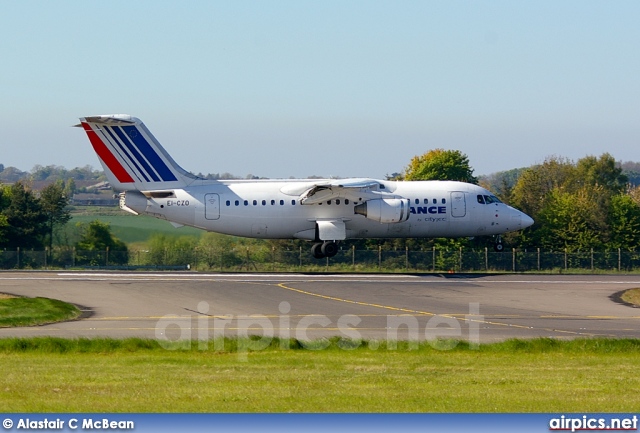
(257, 331)
(590, 423)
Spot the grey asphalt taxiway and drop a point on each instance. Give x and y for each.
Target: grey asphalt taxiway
(480, 308)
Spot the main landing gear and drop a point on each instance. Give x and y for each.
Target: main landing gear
(324, 249)
(498, 246)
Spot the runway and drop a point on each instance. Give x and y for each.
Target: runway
(485, 308)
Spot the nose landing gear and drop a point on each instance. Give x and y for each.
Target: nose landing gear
(325, 249)
(498, 246)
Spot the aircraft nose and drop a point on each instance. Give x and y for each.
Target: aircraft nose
(525, 220)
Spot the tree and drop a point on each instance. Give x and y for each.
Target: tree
(54, 203)
(502, 183)
(4, 224)
(70, 188)
(97, 236)
(24, 216)
(440, 164)
(601, 171)
(534, 185)
(569, 220)
(624, 222)
(12, 174)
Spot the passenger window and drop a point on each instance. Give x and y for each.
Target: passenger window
(338, 201)
(480, 199)
(237, 202)
(426, 201)
(228, 203)
(444, 201)
(435, 201)
(264, 202)
(273, 202)
(246, 202)
(329, 202)
(281, 202)
(255, 202)
(417, 201)
(346, 201)
(293, 202)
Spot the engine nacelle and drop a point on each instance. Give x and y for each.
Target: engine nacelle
(385, 210)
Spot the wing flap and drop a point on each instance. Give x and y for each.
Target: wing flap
(352, 189)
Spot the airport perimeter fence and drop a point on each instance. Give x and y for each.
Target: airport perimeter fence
(347, 260)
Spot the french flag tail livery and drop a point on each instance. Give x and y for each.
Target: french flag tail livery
(131, 156)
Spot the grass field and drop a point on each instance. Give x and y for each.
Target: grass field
(132, 229)
(54, 375)
(18, 311)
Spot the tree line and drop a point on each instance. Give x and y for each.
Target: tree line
(30, 220)
(582, 205)
(588, 204)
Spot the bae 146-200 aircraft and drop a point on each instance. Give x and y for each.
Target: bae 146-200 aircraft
(323, 211)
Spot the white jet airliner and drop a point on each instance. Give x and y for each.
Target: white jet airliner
(324, 211)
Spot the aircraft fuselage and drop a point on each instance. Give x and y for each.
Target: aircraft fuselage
(268, 209)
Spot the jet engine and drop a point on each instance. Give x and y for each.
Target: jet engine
(384, 210)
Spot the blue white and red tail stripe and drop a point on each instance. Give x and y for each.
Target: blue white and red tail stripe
(131, 156)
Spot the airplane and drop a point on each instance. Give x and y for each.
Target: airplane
(322, 211)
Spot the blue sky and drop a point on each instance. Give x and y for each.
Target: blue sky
(332, 88)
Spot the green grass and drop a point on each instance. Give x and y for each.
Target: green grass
(131, 228)
(103, 375)
(631, 296)
(18, 311)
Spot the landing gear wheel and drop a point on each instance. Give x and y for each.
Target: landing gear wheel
(329, 249)
(499, 247)
(316, 250)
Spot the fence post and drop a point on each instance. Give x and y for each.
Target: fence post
(486, 259)
(46, 253)
(18, 256)
(300, 256)
(406, 258)
(460, 260)
(106, 257)
(73, 257)
(433, 259)
(273, 259)
(538, 259)
(513, 259)
(379, 256)
(619, 259)
(591, 259)
(353, 256)
(565, 259)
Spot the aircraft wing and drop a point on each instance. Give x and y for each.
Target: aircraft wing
(352, 189)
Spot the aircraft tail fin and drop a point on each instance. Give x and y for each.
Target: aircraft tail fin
(131, 156)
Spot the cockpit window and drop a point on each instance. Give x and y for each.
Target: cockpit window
(480, 199)
(488, 199)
